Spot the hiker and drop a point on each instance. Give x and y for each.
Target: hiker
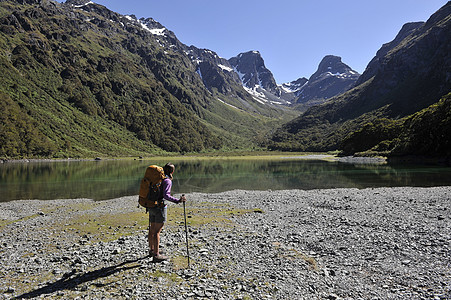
(158, 214)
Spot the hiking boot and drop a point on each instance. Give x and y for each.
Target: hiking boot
(151, 254)
(159, 257)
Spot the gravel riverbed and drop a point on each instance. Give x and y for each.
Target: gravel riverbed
(381, 243)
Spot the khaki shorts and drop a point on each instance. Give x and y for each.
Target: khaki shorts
(158, 214)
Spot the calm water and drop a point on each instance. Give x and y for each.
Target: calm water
(109, 179)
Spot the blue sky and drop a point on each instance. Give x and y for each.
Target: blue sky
(291, 35)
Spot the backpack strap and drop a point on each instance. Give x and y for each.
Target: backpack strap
(161, 198)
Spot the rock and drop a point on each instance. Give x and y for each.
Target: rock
(332, 297)
(355, 249)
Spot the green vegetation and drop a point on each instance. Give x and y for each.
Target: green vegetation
(329, 127)
(88, 223)
(84, 84)
(19, 135)
(87, 83)
(426, 132)
(398, 83)
(93, 220)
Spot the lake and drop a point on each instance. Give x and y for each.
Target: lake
(108, 179)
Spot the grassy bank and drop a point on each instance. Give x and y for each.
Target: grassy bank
(198, 156)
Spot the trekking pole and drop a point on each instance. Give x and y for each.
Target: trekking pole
(186, 231)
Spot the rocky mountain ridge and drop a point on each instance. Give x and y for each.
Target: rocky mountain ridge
(80, 79)
(246, 68)
(376, 63)
(407, 75)
(332, 78)
(213, 71)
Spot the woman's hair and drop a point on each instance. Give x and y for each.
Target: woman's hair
(169, 169)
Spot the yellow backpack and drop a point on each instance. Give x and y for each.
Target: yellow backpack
(150, 194)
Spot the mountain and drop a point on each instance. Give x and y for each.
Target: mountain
(79, 80)
(375, 65)
(256, 78)
(425, 133)
(332, 78)
(216, 72)
(221, 80)
(290, 90)
(294, 86)
(82, 80)
(409, 74)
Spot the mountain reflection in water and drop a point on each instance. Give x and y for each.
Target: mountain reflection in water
(108, 179)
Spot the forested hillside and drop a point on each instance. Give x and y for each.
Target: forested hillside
(408, 75)
(425, 133)
(81, 80)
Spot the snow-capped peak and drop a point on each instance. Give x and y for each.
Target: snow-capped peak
(87, 3)
(152, 26)
(294, 86)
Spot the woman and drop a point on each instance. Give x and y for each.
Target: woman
(158, 214)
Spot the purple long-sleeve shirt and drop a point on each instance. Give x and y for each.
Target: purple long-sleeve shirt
(166, 187)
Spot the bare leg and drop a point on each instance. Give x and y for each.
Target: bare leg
(154, 238)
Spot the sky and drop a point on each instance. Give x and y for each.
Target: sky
(292, 36)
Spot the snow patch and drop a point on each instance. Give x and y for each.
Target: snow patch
(259, 100)
(277, 102)
(338, 75)
(228, 104)
(200, 73)
(197, 61)
(79, 6)
(257, 95)
(286, 89)
(160, 43)
(254, 91)
(241, 75)
(211, 53)
(225, 68)
(291, 87)
(154, 31)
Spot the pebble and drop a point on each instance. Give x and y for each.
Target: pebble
(384, 243)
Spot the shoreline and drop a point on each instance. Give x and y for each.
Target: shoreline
(409, 159)
(386, 243)
(307, 156)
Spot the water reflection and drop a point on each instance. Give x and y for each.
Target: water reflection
(109, 179)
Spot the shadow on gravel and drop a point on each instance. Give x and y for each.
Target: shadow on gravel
(70, 282)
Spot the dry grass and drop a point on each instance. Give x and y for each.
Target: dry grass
(295, 254)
